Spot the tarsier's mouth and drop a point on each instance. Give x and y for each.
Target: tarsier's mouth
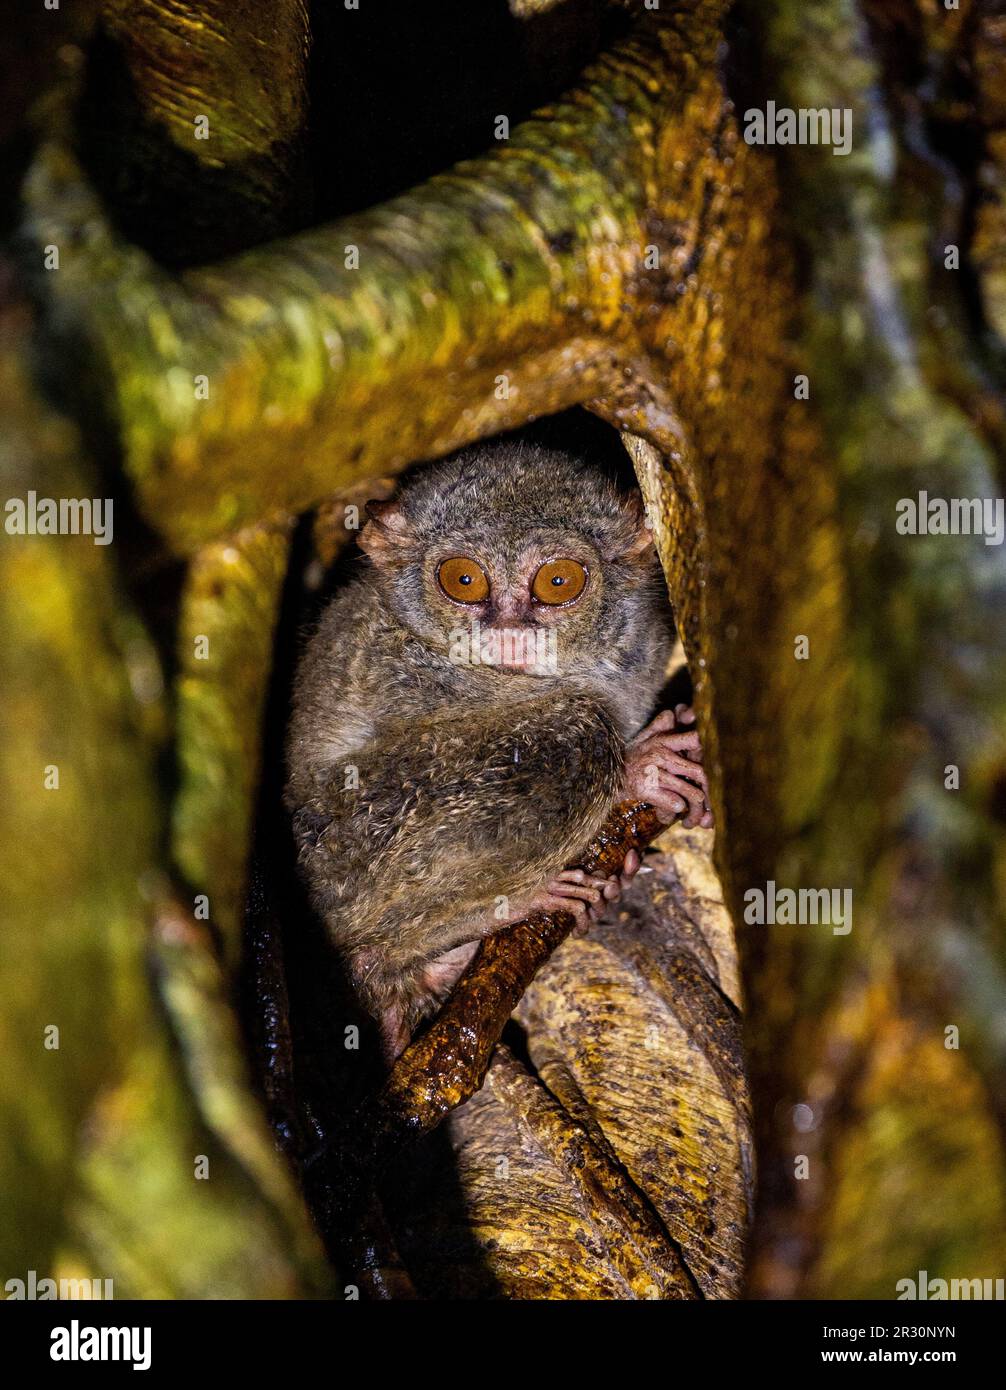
(530, 650)
(513, 649)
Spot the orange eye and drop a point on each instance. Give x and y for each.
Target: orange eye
(559, 581)
(464, 580)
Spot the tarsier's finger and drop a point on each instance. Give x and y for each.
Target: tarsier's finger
(582, 877)
(631, 867)
(657, 779)
(695, 797)
(684, 714)
(588, 892)
(681, 743)
(586, 902)
(694, 819)
(579, 878)
(677, 762)
(560, 902)
(663, 723)
(571, 876)
(673, 781)
(612, 889)
(688, 744)
(659, 782)
(666, 801)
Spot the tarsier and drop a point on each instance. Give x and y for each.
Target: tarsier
(469, 710)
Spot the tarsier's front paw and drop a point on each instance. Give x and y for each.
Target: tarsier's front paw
(663, 766)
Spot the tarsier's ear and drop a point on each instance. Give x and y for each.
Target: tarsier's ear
(640, 534)
(386, 532)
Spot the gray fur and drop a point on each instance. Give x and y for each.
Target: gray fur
(475, 783)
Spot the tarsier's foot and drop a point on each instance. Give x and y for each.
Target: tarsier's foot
(584, 895)
(393, 999)
(421, 996)
(663, 766)
(443, 972)
(572, 890)
(395, 1033)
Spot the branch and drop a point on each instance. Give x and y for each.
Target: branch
(192, 123)
(448, 1063)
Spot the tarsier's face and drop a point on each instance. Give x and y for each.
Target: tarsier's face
(529, 563)
(526, 605)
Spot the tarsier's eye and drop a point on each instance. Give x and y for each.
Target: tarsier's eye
(464, 580)
(559, 581)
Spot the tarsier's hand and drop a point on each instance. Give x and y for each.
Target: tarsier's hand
(663, 766)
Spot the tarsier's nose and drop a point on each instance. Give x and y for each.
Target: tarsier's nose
(510, 607)
(509, 632)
